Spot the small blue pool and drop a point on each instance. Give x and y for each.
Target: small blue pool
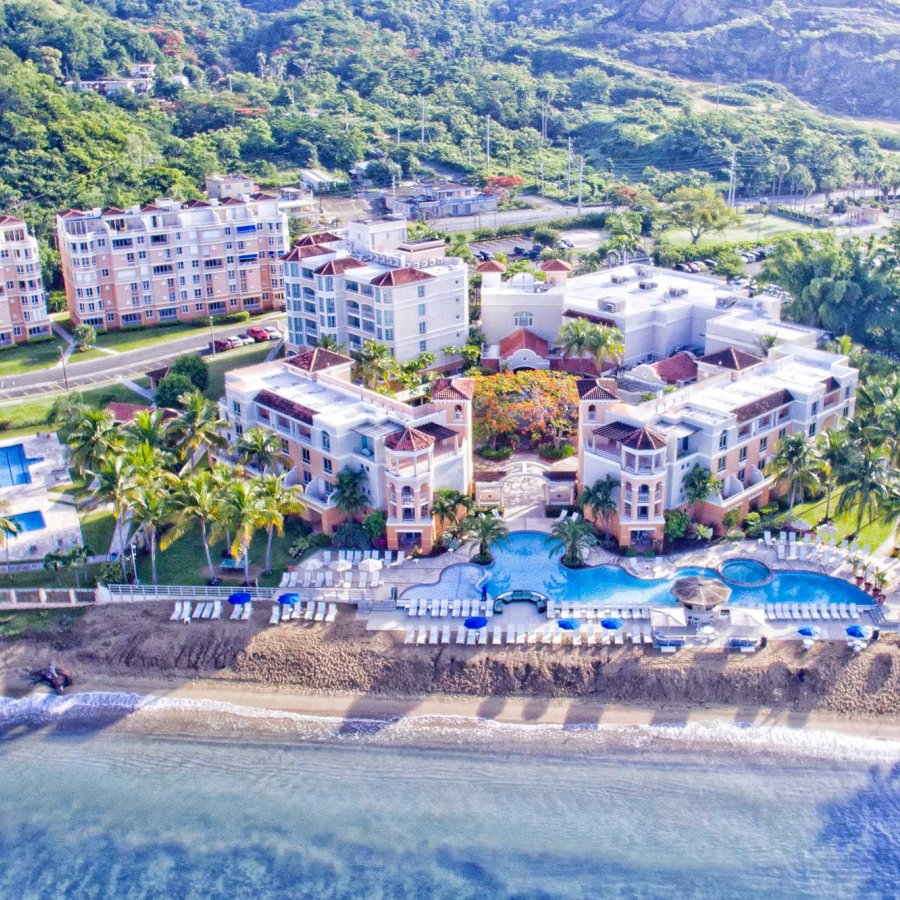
(14, 466)
(29, 521)
(523, 562)
(745, 573)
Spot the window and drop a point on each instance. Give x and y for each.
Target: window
(723, 440)
(326, 441)
(742, 456)
(815, 407)
(421, 328)
(812, 429)
(720, 467)
(327, 466)
(742, 474)
(305, 455)
(458, 413)
(763, 444)
(523, 319)
(781, 433)
(307, 476)
(421, 309)
(592, 413)
(423, 346)
(420, 291)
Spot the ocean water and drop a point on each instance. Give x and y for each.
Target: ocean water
(434, 809)
(522, 562)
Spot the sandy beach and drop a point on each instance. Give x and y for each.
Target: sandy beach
(343, 671)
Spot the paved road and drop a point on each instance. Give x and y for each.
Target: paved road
(112, 367)
(542, 210)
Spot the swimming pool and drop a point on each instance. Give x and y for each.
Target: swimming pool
(14, 466)
(29, 521)
(523, 563)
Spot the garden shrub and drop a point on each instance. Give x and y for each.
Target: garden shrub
(351, 536)
(496, 455)
(548, 451)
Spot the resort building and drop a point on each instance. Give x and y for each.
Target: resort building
(23, 301)
(170, 261)
(728, 422)
(658, 311)
(371, 282)
(326, 424)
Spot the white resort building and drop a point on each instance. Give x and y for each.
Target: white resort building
(371, 283)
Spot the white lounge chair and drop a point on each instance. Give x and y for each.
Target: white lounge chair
(445, 635)
(461, 635)
(363, 579)
(177, 613)
(246, 612)
(275, 617)
(207, 611)
(217, 610)
(826, 612)
(422, 636)
(619, 640)
(321, 610)
(310, 613)
(331, 615)
(326, 556)
(235, 613)
(471, 637)
(557, 638)
(482, 636)
(433, 635)
(498, 636)
(410, 635)
(576, 638)
(510, 634)
(854, 611)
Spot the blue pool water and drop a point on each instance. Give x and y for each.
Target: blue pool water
(523, 562)
(14, 466)
(745, 571)
(29, 521)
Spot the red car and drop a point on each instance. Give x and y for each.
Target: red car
(258, 333)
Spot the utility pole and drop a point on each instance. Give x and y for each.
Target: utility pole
(580, 181)
(717, 92)
(542, 173)
(569, 169)
(543, 122)
(398, 134)
(487, 153)
(291, 95)
(62, 359)
(422, 137)
(346, 119)
(732, 178)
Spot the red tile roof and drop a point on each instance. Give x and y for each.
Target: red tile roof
(123, 413)
(339, 266)
(323, 237)
(680, 367)
(523, 339)
(399, 277)
(262, 195)
(597, 389)
(408, 440)
(763, 405)
(10, 220)
(72, 214)
(453, 389)
(491, 266)
(555, 265)
(196, 204)
(644, 439)
(305, 252)
(113, 211)
(287, 407)
(730, 358)
(318, 358)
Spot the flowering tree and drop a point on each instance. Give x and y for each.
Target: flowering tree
(504, 186)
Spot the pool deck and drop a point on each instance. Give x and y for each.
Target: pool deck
(63, 528)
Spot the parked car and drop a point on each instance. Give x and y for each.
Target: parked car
(566, 243)
(683, 267)
(243, 340)
(273, 333)
(258, 333)
(710, 264)
(220, 345)
(520, 251)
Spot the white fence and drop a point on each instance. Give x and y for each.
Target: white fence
(138, 593)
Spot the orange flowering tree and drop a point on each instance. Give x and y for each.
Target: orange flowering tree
(525, 409)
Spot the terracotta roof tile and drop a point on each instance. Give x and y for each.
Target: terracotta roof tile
(680, 367)
(322, 237)
(491, 265)
(644, 439)
(400, 277)
(453, 389)
(523, 339)
(339, 266)
(591, 317)
(287, 407)
(305, 252)
(318, 358)
(597, 389)
(408, 440)
(113, 211)
(10, 220)
(196, 204)
(765, 404)
(555, 265)
(730, 358)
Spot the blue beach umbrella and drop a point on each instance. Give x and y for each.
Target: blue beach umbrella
(612, 624)
(475, 622)
(240, 598)
(289, 599)
(569, 624)
(859, 631)
(812, 631)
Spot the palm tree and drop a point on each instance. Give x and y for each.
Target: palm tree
(92, 438)
(76, 559)
(795, 465)
(147, 461)
(197, 428)
(197, 498)
(374, 363)
(10, 528)
(115, 482)
(260, 448)
(574, 538)
(276, 501)
(574, 339)
(148, 427)
(242, 510)
(832, 451)
(699, 484)
(605, 343)
(446, 506)
(487, 530)
(330, 342)
(55, 562)
(150, 507)
(868, 488)
(599, 497)
(348, 494)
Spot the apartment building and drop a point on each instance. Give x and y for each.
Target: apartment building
(23, 301)
(326, 423)
(658, 311)
(729, 422)
(371, 282)
(169, 261)
(434, 201)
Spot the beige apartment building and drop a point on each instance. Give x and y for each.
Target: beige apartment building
(23, 301)
(170, 261)
(728, 421)
(326, 424)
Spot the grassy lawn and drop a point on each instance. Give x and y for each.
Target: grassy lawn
(97, 528)
(233, 359)
(18, 623)
(184, 562)
(753, 227)
(18, 419)
(28, 357)
(874, 534)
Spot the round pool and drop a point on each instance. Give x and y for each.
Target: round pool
(745, 573)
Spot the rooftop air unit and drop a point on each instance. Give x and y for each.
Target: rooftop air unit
(619, 279)
(678, 291)
(647, 284)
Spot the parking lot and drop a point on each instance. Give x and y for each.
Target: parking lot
(506, 246)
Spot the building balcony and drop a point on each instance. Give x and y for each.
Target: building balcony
(316, 495)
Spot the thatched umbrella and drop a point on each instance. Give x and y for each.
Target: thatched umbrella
(700, 594)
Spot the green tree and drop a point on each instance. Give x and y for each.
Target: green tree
(446, 507)
(55, 562)
(698, 211)
(349, 495)
(195, 368)
(677, 524)
(85, 336)
(605, 343)
(599, 498)
(149, 503)
(574, 537)
(241, 511)
(796, 466)
(699, 484)
(374, 364)
(170, 389)
(92, 438)
(487, 530)
(259, 448)
(196, 498)
(115, 481)
(575, 339)
(276, 501)
(10, 528)
(868, 489)
(197, 429)
(832, 452)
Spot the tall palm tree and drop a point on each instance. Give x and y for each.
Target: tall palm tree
(699, 484)
(605, 343)
(56, 562)
(147, 461)
(148, 427)
(150, 508)
(92, 438)
(868, 488)
(276, 502)
(574, 339)
(487, 530)
(572, 537)
(795, 465)
(330, 342)
(348, 494)
(197, 428)
(599, 497)
(10, 528)
(77, 559)
(446, 505)
(115, 482)
(832, 451)
(374, 363)
(196, 498)
(242, 510)
(259, 448)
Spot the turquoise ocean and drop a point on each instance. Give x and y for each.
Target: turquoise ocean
(112, 796)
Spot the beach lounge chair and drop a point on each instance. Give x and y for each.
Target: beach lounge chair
(779, 549)
(235, 613)
(321, 610)
(326, 556)
(422, 636)
(410, 635)
(521, 632)
(592, 636)
(562, 516)
(471, 637)
(767, 537)
(576, 638)
(247, 612)
(498, 636)
(433, 635)
(376, 579)
(854, 611)
(310, 613)
(388, 557)
(329, 579)
(618, 639)
(557, 638)
(400, 557)
(296, 611)
(546, 636)
(461, 635)
(648, 636)
(482, 635)
(176, 614)
(207, 611)
(363, 580)
(216, 610)
(826, 612)
(551, 609)
(331, 615)
(444, 607)
(320, 579)
(466, 609)
(511, 634)
(445, 635)
(457, 607)
(307, 578)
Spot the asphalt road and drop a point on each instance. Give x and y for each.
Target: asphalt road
(542, 210)
(113, 367)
